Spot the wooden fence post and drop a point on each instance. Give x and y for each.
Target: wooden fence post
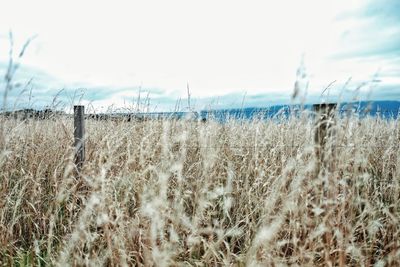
(79, 135)
(323, 129)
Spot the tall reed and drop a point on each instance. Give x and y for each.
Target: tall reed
(181, 192)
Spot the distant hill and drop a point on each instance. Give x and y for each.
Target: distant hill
(32, 113)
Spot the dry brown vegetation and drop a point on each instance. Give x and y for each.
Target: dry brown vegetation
(180, 193)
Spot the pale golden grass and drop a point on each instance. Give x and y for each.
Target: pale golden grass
(180, 193)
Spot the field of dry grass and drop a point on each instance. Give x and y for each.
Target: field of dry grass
(185, 193)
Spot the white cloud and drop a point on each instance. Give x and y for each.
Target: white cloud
(219, 47)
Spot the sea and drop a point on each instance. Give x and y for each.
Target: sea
(361, 109)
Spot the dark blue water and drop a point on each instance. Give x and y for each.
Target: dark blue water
(384, 109)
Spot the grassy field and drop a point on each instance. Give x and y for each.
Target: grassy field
(185, 193)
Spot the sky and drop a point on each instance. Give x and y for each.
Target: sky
(225, 53)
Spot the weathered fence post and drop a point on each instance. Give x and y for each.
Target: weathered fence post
(325, 119)
(79, 135)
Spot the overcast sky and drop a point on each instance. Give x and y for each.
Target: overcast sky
(226, 50)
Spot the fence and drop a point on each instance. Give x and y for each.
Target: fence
(323, 129)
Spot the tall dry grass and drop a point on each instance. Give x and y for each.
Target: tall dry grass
(179, 192)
